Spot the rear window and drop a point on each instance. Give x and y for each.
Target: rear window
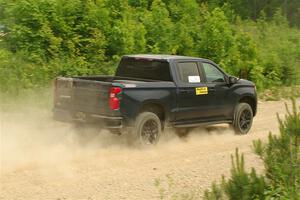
(144, 69)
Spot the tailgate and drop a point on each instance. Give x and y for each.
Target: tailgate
(78, 95)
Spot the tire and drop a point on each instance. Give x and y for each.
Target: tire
(148, 128)
(243, 118)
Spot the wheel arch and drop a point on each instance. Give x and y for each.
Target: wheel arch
(251, 101)
(155, 107)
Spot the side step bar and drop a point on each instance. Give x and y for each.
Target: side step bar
(194, 124)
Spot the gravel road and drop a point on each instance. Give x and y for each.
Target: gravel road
(43, 159)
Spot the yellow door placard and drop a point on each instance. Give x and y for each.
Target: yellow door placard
(201, 90)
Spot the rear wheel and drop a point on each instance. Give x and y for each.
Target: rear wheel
(243, 118)
(148, 128)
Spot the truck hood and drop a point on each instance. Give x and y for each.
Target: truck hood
(245, 82)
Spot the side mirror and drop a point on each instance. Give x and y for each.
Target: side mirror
(232, 79)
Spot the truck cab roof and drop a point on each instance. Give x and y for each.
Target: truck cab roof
(165, 57)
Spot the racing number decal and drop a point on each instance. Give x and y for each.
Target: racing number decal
(201, 90)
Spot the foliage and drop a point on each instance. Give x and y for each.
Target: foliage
(41, 39)
(281, 157)
(280, 92)
(241, 184)
(251, 9)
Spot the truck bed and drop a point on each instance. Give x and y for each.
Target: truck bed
(89, 94)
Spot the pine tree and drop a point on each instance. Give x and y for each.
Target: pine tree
(281, 157)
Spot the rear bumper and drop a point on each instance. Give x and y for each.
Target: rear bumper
(111, 122)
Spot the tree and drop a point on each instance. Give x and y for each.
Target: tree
(185, 16)
(281, 158)
(159, 29)
(216, 37)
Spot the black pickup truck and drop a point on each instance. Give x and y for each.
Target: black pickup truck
(151, 92)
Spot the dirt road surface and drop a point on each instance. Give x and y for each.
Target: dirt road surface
(43, 159)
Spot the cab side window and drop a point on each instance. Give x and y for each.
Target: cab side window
(213, 74)
(188, 72)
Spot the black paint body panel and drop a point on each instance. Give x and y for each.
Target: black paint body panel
(180, 104)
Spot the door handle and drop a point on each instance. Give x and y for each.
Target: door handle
(211, 88)
(184, 91)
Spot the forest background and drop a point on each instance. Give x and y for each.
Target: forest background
(257, 40)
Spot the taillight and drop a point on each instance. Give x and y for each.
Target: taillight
(114, 102)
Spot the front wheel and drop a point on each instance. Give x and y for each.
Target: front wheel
(243, 118)
(148, 128)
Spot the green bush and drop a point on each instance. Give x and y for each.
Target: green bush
(240, 186)
(281, 158)
(44, 39)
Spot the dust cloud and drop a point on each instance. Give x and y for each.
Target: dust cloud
(45, 159)
(31, 139)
